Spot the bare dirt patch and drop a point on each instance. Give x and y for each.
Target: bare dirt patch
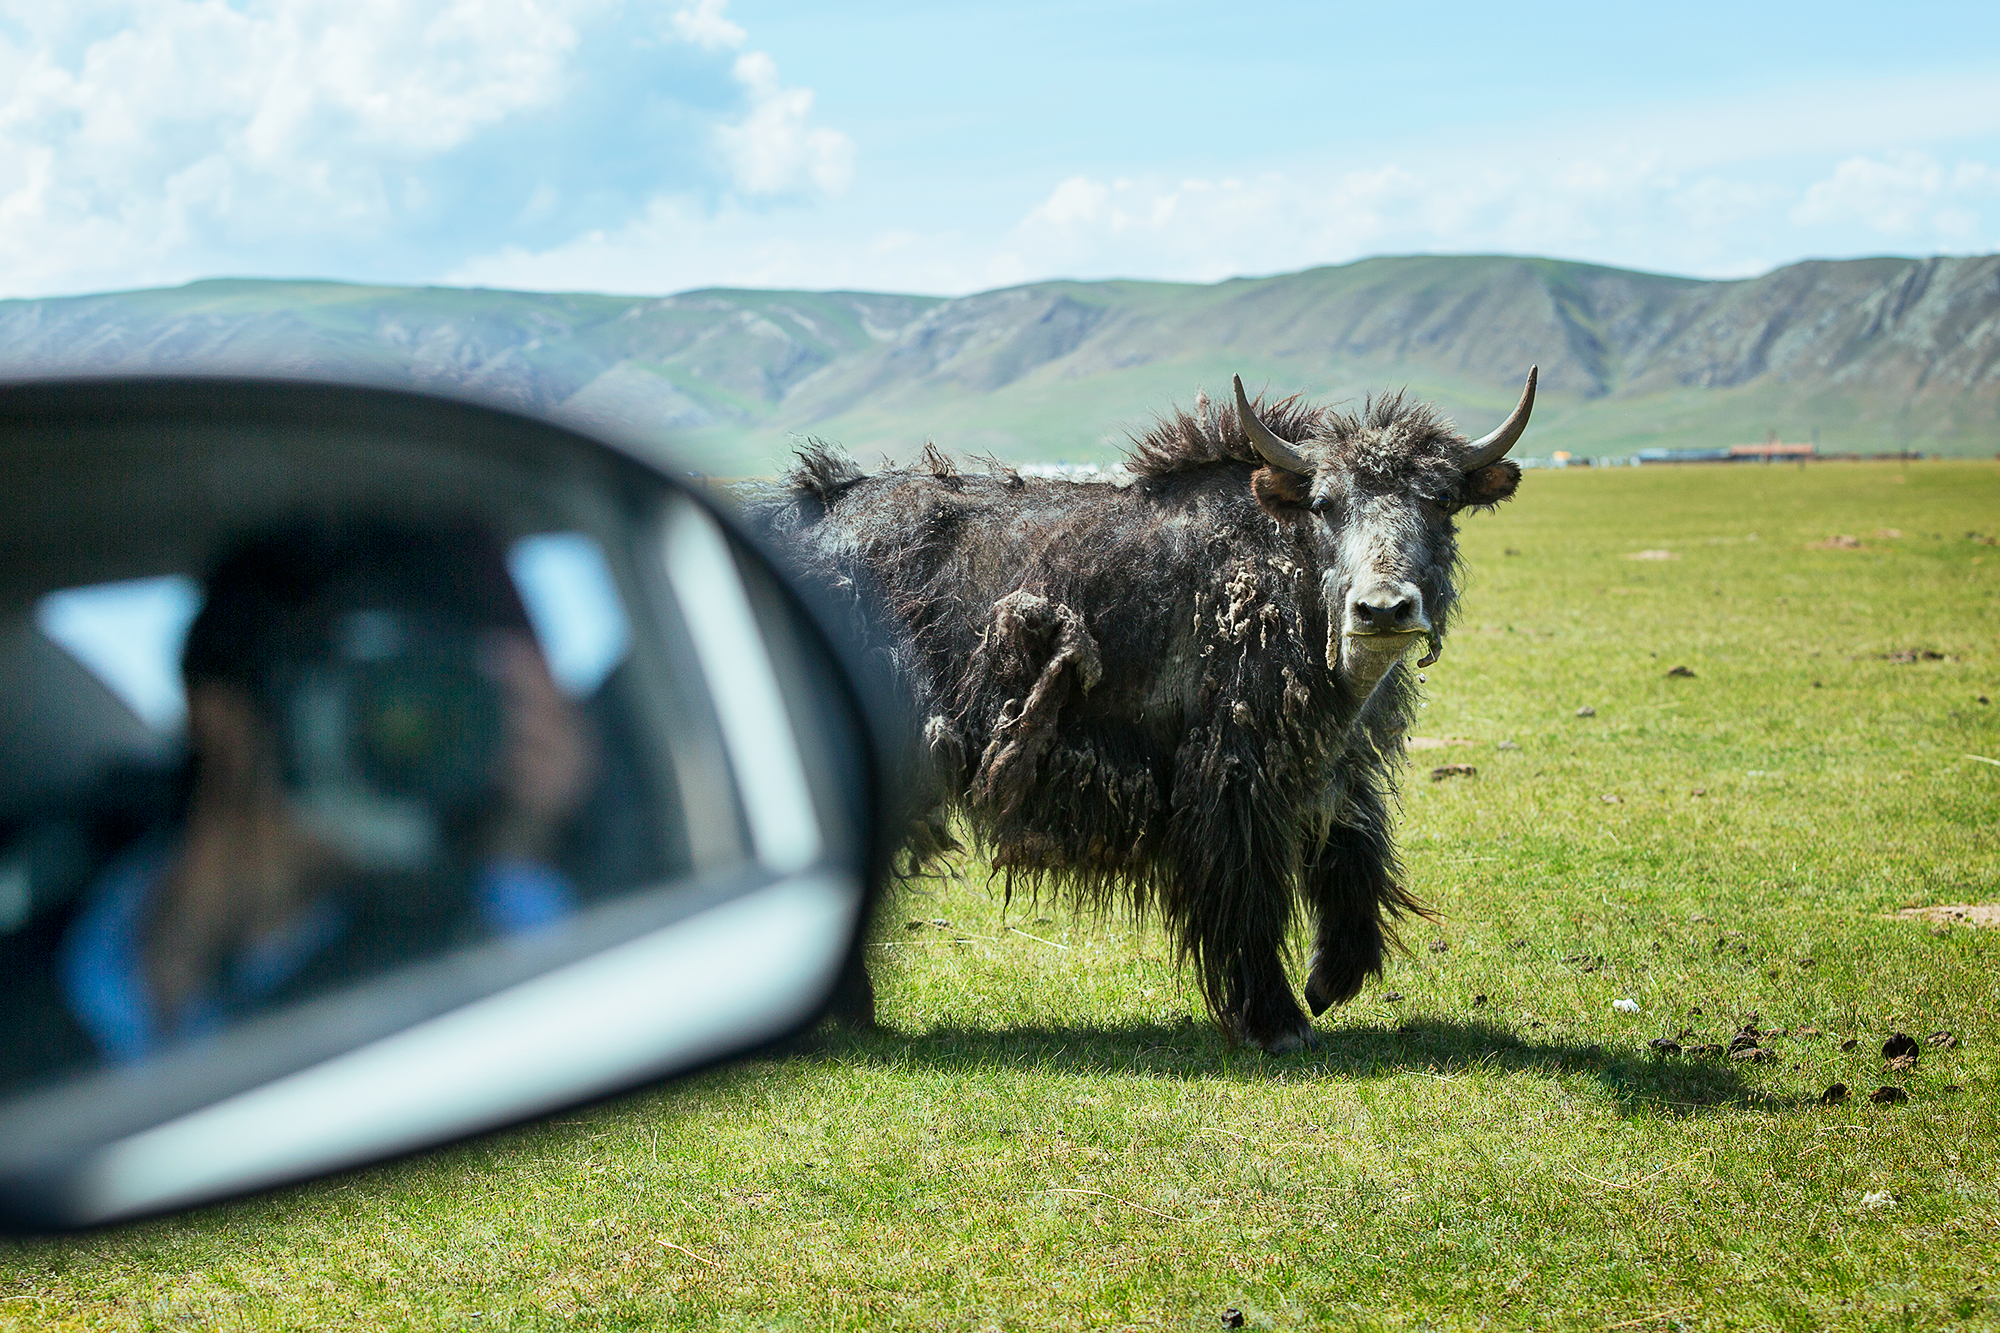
(1652, 555)
(1955, 914)
(1838, 542)
(1435, 742)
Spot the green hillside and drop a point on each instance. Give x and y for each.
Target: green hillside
(1862, 356)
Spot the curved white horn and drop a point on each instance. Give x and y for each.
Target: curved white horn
(1492, 448)
(1276, 452)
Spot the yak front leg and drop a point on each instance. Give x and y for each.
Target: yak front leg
(1233, 905)
(1259, 1009)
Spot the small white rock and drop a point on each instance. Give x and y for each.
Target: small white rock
(1626, 1006)
(1878, 1199)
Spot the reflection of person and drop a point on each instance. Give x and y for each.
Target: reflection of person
(381, 766)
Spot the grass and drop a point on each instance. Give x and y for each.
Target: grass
(1047, 1135)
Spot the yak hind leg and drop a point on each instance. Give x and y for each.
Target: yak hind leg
(1350, 882)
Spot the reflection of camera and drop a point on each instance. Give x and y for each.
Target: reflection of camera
(387, 736)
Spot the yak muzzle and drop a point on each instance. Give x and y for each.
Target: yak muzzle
(1386, 617)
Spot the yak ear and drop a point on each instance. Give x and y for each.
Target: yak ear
(1493, 483)
(1278, 490)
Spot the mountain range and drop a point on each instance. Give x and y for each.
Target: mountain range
(1865, 355)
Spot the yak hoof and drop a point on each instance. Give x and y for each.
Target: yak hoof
(1290, 1042)
(1322, 994)
(1324, 989)
(1277, 1036)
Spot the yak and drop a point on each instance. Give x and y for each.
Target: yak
(1186, 692)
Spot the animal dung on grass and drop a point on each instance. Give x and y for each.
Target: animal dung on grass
(1888, 1096)
(1443, 771)
(1955, 914)
(1840, 541)
(1681, 673)
(1271, 566)
(1942, 1041)
(1586, 711)
(1652, 555)
(1612, 798)
(1902, 1043)
(1624, 1006)
(1232, 1318)
(1878, 1198)
(1834, 1095)
(1753, 1055)
(1664, 1046)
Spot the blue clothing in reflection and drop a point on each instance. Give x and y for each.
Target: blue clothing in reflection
(102, 962)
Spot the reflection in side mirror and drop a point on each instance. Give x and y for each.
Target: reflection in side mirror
(397, 769)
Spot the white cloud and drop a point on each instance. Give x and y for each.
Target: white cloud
(777, 149)
(146, 141)
(1904, 195)
(1212, 228)
(679, 244)
(1077, 200)
(1615, 205)
(1893, 197)
(703, 24)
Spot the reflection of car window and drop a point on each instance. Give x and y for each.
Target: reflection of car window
(573, 601)
(129, 633)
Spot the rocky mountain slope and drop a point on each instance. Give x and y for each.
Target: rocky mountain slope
(1863, 355)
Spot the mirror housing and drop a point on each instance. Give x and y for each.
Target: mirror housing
(735, 787)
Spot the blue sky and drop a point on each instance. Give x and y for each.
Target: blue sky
(647, 147)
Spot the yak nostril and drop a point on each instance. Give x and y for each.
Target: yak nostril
(1386, 617)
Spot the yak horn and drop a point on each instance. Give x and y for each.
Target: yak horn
(1492, 448)
(1276, 452)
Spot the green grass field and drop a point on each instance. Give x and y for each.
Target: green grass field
(1047, 1135)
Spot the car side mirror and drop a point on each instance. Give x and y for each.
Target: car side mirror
(379, 769)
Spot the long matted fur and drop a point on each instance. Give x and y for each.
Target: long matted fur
(1124, 689)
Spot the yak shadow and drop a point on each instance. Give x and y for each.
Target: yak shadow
(1636, 1078)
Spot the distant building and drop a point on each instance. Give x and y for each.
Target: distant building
(1773, 449)
(1735, 453)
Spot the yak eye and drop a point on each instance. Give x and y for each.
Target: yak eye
(1322, 503)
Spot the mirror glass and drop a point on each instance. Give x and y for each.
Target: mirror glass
(318, 732)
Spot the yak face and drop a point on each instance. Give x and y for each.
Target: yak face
(1381, 489)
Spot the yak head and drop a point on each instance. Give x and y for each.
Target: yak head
(1381, 489)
